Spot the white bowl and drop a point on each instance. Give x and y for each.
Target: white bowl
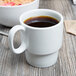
(41, 60)
(9, 15)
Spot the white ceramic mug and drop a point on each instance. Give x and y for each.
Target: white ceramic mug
(38, 41)
(41, 60)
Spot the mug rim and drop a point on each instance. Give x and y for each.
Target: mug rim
(49, 10)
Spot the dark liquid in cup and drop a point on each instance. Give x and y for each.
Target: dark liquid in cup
(41, 21)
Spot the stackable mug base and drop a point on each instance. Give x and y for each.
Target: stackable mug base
(41, 61)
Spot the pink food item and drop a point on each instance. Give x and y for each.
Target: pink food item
(19, 4)
(9, 4)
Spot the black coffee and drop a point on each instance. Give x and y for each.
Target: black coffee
(41, 21)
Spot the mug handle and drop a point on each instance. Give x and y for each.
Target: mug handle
(11, 35)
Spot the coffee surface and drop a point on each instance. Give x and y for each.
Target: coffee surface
(41, 21)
